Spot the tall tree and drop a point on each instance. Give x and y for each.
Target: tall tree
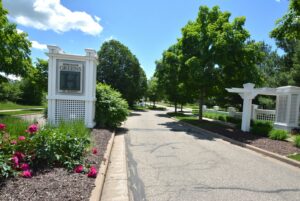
(154, 92)
(287, 32)
(121, 69)
(168, 74)
(218, 53)
(14, 48)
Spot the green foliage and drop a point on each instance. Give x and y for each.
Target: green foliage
(154, 92)
(261, 128)
(278, 134)
(64, 145)
(267, 102)
(14, 48)
(14, 126)
(295, 157)
(297, 141)
(10, 91)
(119, 68)
(111, 108)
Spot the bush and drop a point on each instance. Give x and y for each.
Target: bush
(111, 108)
(63, 145)
(261, 128)
(233, 120)
(297, 141)
(278, 134)
(27, 148)
(222, 118)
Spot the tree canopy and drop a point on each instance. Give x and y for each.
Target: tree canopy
(121, 69)
(14, 48)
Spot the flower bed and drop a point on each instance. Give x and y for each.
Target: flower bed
(59, 183)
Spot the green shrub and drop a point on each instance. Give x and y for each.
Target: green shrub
(111, 108)
(278, 134)
(222, 118)
(233, 120)
(297, 141)
(64, 145)
(261, 128)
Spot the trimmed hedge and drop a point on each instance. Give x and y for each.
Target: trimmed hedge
(261, 128)
(297, 141)
(111, 108)
(278, 134)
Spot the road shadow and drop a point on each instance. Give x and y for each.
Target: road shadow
(179, 127)
(134, 114)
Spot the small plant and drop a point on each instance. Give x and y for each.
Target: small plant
(278, 134)
(297, 141)
(261, 128)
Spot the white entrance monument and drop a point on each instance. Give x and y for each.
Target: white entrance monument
(287, 104)
(71, 86)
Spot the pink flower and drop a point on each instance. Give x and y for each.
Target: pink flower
(32, 129)
(2, 127)
(93, 172)
(15, 161)
(78, 169)
(21, 138)
(19, 155)
(13, 142)
(94, 151)
(25, 166)
(26, 174)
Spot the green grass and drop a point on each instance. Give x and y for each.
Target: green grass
(13, 106)
(295, 157)
(29, 111)
(15, 126)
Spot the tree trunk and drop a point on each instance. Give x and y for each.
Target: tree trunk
(181, 106)
(201, 100)
(153, 103)
(175, 105)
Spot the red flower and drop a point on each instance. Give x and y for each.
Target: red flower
(21, 138)
(32, 129)
(93, 172)
(13, 142)
(25, 166)
(20, 155)
(2, 127)
(26, 174)
(78, 169)
(15, 161)
(94, 151)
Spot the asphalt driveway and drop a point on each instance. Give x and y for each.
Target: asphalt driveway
(168, 161)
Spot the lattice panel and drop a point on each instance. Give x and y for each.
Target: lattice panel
(68, 110)
(282, 108)
(265, 116)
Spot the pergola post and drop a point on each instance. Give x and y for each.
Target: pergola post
(247, 96)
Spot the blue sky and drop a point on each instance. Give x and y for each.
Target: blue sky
(146, 27)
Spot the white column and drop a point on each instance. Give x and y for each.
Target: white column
(246, 117)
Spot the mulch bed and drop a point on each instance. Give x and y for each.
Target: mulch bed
(280, 147)
(58, 183)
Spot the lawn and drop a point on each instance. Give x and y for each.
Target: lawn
(295, 157)
(29, 111)
(13, 106)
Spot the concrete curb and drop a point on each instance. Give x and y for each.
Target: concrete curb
(241, 144)
(99, 182)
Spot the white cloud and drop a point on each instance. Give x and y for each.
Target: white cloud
(20, 31)
(51, 15)
(37, 45)
(277, 1)
(11, 77)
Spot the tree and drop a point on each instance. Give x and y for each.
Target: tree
(121, 69)
(218, 53)
(14, 48)
(168, 74)
(287, 32)
(154, 92)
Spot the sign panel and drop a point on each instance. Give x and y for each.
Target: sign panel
(70, 77)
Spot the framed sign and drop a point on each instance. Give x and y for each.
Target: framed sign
(70, 76)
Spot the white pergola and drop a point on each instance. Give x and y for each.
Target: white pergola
(287, 104)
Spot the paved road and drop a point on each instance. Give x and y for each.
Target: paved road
(167, 161)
